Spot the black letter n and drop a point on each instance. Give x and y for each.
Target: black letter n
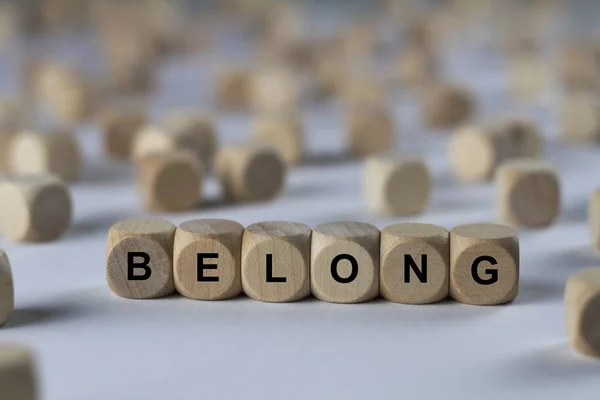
(132, 265)
(409, 264)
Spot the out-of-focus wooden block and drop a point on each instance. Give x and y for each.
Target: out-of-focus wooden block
(250, 171)
(18, 376)
(170, 181)
(528, 193)
(194, 131)
(284, 132)
(207, 259)
(579, 67)
(580, 117)
(594, 217)
(397, 185)
(477, 151)
(447, 106)
(484, 264)
(371, 130)
(275, 89)
(582, 305)
(232, 89)
(276, 261)
(360, 89)
(34, 208)
(415, 265)
(7, 290)
(6, 136)
(345, 262)
(13, 114)
(55, 152)
(139, 258)
(417, 67)
(529, 75)
(119, 127)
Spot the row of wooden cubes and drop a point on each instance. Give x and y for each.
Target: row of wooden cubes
(340, 262)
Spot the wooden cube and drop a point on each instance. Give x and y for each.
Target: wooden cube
(34, 208)
(170, 181)
(276, 261)
(397, 185)
(275, 89)
(594, 217)
(529, 75)
(371, 130)
(284, 132)
(580, 118)
(55, 152)
(207, 259)
(139, 258)
(359, 89)
(484, 264)
(345, 262)
(477, 151)
(18, 376)
(415, 265)
(417, 67)
(194, 131)
(250, 172)
(582, 305)
(7, 290)
(119, 128)
(447, 106)
(232, 90)
(6, 136)
(528, 193)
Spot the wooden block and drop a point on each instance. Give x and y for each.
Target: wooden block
(417, 67)
(7, 291)
(250, 172)
(232, 89)
(6, 136)
(119, 128)
(594, 217)
(361, 89)
(371, 130)
(207, 259)
(12, 114)
(275, 89)
(528, 193)
(139, 258)
(194, 131)
(345, 262)
(580, 117)
(284, 132)
(56, 152)
(582, 302)
(579, 67)
(414, 263)
(35, 208)
(170, 181)
(18, 376)
(529, 76)
(484, 264)
(397, 185)
(477, 151)
(276, 261)
(447, 106)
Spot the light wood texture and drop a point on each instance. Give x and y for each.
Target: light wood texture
(371, 130)
(170, 181)
(417, 67)
(528, 193)
(276, 261)
(529, 75)
(580, 117)
(194, 131)
(250, 172)
(153, 237)
(284, 132)
(13, 114)
(18, 376)
(361, 88)
(119, 127)
(397, 185)
(415, 264)
(477, 151)
(55, 152)
(447, 106)
(345, 262)
(216, 245)
(6, 136)
(484, 264)
(232, 89)
(275, 89)
(7, 290)
(594, 217)
(34, 208)
(582, 305)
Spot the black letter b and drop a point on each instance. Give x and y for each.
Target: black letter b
(132, 265)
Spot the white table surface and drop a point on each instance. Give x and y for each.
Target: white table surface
(93, 345)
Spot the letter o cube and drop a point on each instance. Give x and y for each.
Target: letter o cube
(345, 262)
(207, 259)
(276, 261)
(582, 306)
(139, 258)
(484, 264)
(18, 377)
